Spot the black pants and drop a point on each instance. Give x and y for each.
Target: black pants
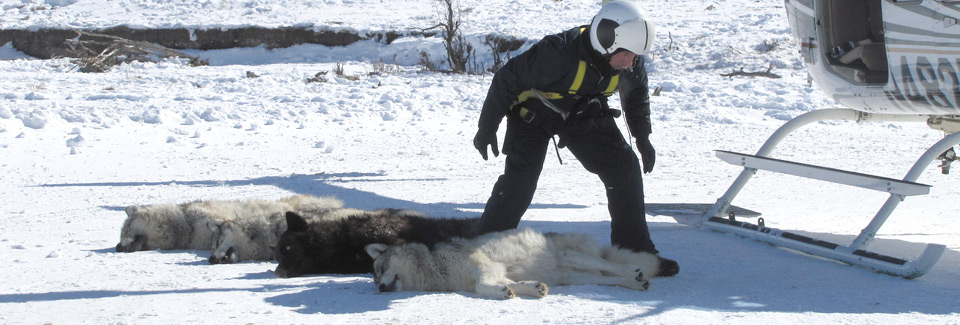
(601, 149)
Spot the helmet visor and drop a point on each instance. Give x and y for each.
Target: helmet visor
(636, 36)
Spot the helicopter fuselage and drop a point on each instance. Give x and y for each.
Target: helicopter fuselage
(882, 56)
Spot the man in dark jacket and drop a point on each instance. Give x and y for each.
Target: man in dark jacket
(559, 87)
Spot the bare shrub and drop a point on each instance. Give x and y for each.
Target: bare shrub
(426, 63)
(499, 46)
(458, 50)
(340, 73)
(380, 67)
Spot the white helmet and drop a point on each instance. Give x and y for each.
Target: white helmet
(620, 24)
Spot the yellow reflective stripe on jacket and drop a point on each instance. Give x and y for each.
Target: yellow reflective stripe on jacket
(581, 71)
(530, 94)
(613, 85)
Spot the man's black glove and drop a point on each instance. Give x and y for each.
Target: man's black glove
(647, 154)
(483, 139)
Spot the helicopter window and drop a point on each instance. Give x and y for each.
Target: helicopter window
(855, 21)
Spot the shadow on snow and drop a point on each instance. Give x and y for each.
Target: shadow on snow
(718, 271)
(322, 185)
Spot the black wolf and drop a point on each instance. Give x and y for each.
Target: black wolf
(337, 246)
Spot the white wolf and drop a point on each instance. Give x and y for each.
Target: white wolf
(509, 263)
(233, 230)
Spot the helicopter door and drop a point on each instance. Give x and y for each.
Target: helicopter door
(855, 44)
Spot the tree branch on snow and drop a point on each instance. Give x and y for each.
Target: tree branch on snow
(99, 52)
(766, 74)
(670, 46)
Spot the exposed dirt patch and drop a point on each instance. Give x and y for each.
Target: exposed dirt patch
(49, 43)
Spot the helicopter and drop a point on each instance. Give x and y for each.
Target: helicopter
(892, 61)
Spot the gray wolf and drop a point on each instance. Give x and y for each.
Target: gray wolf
(234, 230)
(337, 245)
(506, 264)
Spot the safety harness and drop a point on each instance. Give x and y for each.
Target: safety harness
(545, 97)
(528, 115)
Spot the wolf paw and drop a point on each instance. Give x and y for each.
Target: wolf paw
(508, 293)
(535, 289)
(543, 288)
(641, 282)
(639, 276)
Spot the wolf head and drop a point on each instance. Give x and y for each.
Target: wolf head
(152, 227)
(292, 247)
(317, 248)
(400, 267)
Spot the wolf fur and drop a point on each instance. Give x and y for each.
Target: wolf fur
(233, 230)
(337, 246)
(506, 264)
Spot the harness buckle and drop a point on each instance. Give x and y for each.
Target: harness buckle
(527, 115)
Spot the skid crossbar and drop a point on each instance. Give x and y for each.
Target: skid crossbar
(826, 174)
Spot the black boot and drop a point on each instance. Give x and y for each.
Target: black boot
(668, 267)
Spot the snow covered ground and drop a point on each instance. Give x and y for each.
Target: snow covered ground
(76, 148)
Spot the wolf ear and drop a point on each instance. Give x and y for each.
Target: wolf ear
(214, 226)
(295, 222)
(375, 250)
(130, 210)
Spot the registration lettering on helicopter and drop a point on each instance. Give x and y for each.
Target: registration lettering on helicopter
(921, 83)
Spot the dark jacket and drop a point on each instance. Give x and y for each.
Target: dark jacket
(550, 65)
